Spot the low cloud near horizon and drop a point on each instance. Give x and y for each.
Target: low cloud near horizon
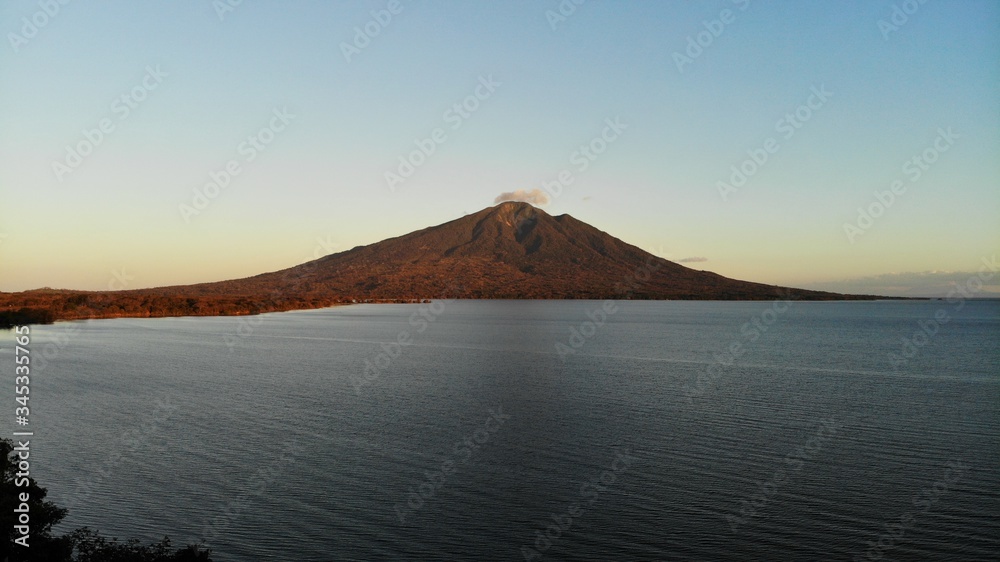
(535, 197)
(984, 284)
(692, 260)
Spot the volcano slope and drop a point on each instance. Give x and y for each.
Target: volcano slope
(509, 251)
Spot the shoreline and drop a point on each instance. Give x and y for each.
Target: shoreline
(12, 317)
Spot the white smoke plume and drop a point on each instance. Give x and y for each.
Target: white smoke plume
(534, 197)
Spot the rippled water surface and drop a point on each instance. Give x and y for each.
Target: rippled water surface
(673, 431)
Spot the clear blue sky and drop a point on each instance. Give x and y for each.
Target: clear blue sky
(207, 83)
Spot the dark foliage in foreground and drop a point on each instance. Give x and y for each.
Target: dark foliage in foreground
(82, 545)
(92, 547)
(22, 316)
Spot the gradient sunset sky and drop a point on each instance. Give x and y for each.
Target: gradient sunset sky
(697, 88)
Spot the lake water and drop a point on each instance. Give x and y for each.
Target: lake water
(671, 431)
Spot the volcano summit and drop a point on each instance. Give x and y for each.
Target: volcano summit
(510, 251)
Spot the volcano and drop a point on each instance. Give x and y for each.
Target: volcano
(510, 251)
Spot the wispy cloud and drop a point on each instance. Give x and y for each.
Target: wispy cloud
(535, 196)
(694, 259)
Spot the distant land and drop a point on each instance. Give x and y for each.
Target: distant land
(510, 251)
